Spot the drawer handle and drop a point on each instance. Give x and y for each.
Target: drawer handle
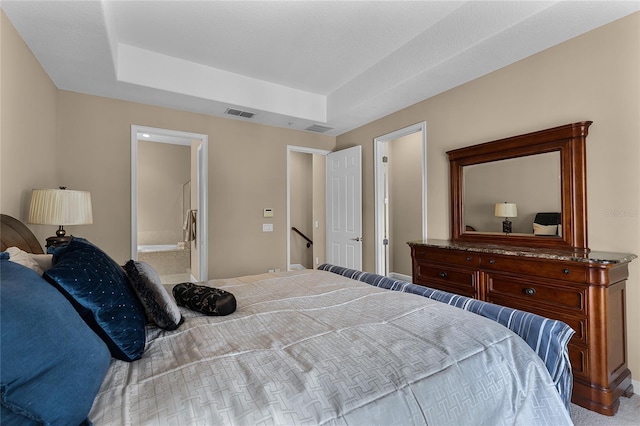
(422, 253)
(443, 274)
(566, 271)
(529, 291)
(469, 258)
(492, 261)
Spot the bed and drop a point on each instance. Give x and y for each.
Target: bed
(331, 346)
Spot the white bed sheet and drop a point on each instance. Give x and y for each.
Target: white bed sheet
(313, 347)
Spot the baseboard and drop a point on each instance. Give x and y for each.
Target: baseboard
(397, 276)
(636, 386)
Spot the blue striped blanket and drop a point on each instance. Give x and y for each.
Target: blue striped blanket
(547, 337)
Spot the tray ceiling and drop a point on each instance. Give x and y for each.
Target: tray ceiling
(295, 64)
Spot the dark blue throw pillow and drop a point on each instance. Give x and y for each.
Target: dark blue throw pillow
(51, 363)
(99, 290)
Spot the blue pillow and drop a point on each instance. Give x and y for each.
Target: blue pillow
(51, 363)
(99, 290)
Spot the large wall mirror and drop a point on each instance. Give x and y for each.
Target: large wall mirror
(541, 177)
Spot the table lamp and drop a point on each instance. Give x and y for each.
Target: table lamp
(60, 207)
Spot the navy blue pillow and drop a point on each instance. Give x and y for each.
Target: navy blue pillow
(99, 290)
(51, 363)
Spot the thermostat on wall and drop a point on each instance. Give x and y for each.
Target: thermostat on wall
(268, 212)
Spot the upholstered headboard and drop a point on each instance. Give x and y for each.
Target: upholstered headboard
(14, 233)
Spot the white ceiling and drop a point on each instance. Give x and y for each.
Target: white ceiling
(339, 64)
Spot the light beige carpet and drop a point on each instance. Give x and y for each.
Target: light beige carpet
(628, 414)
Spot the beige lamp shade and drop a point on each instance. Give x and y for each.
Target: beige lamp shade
(506, 210)
(60, 207)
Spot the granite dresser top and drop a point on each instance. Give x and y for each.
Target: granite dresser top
(554, 254)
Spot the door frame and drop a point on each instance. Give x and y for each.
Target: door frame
(176, 137)
(304, 150)
(379, 180)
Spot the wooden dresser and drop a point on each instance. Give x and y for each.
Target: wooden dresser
(584, 290)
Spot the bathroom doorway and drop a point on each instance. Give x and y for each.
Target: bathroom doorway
(169, 203)
(400, 198)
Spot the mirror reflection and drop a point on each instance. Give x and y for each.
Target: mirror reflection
(531, 187)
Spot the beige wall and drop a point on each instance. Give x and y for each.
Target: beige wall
(163, 169)
(247, 172)
(28, 155)
(593, 77)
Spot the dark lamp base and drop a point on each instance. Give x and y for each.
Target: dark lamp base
(60, 232)
(506, 226)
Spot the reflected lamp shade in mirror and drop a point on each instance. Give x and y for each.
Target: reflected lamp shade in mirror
(506, 210)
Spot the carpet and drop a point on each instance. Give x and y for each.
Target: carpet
(628, 414)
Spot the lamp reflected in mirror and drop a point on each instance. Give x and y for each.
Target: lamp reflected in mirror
(506, 210)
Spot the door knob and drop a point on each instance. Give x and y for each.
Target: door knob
(357, 239)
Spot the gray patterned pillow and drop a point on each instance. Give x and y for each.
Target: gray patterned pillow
(157, 302)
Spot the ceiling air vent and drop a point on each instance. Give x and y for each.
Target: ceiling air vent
(318, 128)
(239, 113)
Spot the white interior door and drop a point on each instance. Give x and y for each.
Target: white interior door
(344, 208)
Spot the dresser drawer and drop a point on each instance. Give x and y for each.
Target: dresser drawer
(579, 325)
(566, 271)
(446, 278)
(451, 288)
(579, 362)
(454, 257)
(574, 320)
(529, 294)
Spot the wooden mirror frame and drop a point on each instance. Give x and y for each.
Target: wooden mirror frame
(570, 141)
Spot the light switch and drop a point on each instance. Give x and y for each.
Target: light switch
(267, 227)
(268, 212)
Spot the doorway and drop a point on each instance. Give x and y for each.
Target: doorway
(400, 198)
(305, 207)
(169, 202)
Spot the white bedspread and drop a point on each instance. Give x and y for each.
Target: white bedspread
(313, 347)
